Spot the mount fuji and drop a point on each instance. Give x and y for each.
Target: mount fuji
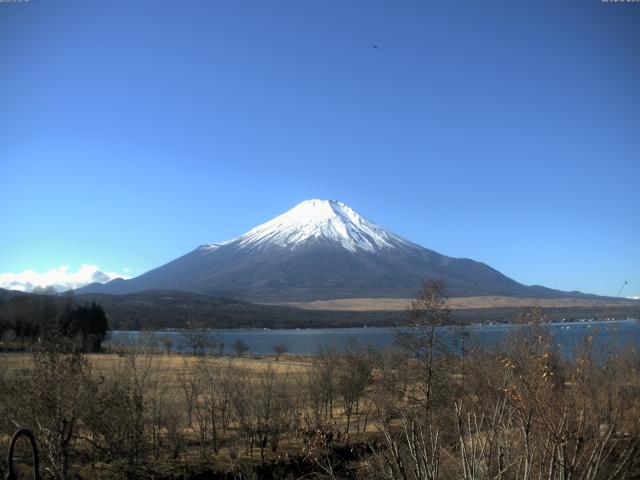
(319, 250)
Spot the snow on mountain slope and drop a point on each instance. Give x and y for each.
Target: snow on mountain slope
(210, 247)
(319, 250)
(321, 219)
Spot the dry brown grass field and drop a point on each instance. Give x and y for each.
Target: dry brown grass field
(457, 303)
(167, 379)
(168, 367)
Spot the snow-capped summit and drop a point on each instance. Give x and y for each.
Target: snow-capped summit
(327, 220)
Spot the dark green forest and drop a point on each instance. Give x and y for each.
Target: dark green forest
(29, 319)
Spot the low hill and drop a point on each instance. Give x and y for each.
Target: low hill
(171, 309)
(6, 295)
(157, 309)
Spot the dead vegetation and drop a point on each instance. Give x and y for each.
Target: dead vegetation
(410, 412)
(456, 303)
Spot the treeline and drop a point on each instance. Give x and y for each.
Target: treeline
(29, 319)
(156, 310)
(414, 412)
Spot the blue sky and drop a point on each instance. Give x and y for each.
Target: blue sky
(507, 132)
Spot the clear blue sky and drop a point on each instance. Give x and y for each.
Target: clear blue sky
(503, 131)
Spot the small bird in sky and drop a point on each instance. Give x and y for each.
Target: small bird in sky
(375, 46)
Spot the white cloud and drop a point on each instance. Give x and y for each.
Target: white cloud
(60, 278)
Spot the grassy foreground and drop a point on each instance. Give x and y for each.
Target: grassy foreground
(519, 412)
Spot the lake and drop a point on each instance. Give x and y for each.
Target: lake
(607, 336)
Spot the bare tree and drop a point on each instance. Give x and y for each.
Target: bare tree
(427, 312)
(412, 450)
(279, 349)
(242, 401)
(213, 400)
(189, 383)
(167, 343)
(322, 382)
(59, 391)
(354, 376)
(272, 405)
(127, 417)
(217, 344)
(196, 340)
(240, 347)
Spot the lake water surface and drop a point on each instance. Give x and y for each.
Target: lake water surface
(606, 335)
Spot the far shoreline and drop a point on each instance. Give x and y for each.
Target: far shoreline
(385, 327)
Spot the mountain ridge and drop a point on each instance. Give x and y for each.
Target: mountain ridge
(319, 250)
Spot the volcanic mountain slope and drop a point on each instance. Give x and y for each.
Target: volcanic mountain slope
(318, 250)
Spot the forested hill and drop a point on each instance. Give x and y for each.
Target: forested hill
(171, 309)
